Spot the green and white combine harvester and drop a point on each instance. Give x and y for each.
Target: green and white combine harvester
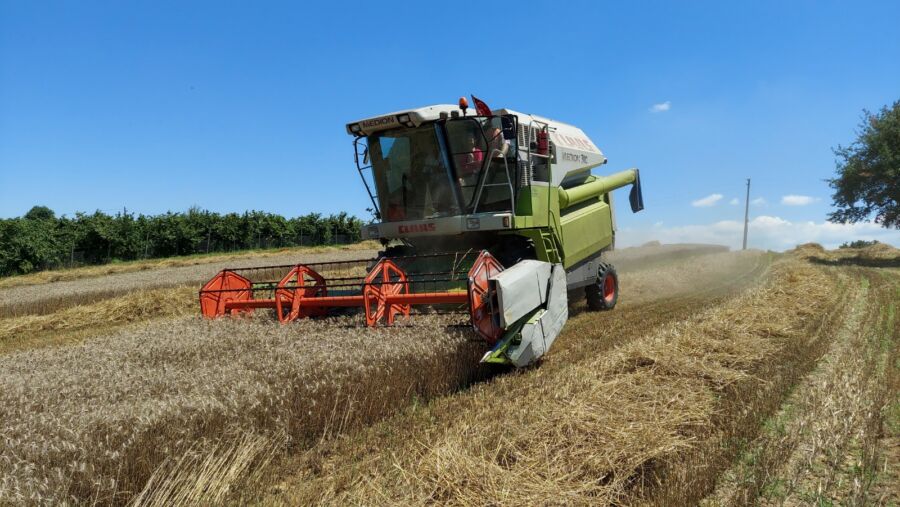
(496, 213)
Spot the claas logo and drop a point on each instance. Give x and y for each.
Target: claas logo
(406, 229)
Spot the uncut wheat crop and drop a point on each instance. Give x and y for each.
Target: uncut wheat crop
(92, 422)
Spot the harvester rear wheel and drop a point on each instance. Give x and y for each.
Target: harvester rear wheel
(603, 294)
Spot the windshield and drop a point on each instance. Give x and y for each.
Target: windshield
(443, 168)
(411, 174)
(482, 159)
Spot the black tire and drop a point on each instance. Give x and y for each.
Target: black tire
(604, 294)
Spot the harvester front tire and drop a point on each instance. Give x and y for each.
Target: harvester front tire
(603, 294)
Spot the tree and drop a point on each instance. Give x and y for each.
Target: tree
(40, 213)
(868, 172)
(27, 245)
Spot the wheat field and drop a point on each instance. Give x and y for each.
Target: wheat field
(664, 401)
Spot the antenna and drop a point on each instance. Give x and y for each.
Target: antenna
(746, 213)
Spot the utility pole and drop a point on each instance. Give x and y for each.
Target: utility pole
(746, 213)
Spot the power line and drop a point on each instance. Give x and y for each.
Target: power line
(746, 213)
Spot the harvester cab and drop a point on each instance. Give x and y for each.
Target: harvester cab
(496, 213)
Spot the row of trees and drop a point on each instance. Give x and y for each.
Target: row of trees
(40, 240)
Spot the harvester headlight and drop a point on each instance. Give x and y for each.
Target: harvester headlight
(473, 223)
(373, 232)
(355, 128)
(403, 118)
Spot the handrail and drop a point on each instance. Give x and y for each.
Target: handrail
(483, 179)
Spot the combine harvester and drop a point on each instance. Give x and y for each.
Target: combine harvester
(495, 213)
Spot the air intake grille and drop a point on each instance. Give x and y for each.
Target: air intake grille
(524, 173)
(524, 137)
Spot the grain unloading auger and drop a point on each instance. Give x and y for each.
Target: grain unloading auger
(494, 214)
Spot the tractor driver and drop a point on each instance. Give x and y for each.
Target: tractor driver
(470, 158)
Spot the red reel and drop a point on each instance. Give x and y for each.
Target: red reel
(483, 306)
(224, 287)
(385, 279)
(299, 283)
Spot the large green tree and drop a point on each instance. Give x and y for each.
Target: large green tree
(40, 213)
(868, 172)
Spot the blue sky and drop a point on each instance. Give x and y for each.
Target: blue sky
(230, 106)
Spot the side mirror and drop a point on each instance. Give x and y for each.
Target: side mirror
(366, 156)
(509, 127)
(636, 196)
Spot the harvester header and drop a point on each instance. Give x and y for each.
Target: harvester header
(496, 214)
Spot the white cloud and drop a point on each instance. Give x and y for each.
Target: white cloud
(734, 201)
(707, 201)
(759, 201)
(797, 200)
(661, 107)
(766, 232)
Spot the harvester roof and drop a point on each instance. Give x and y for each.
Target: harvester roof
(418, 116)
(576, 153)
(408, 118)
